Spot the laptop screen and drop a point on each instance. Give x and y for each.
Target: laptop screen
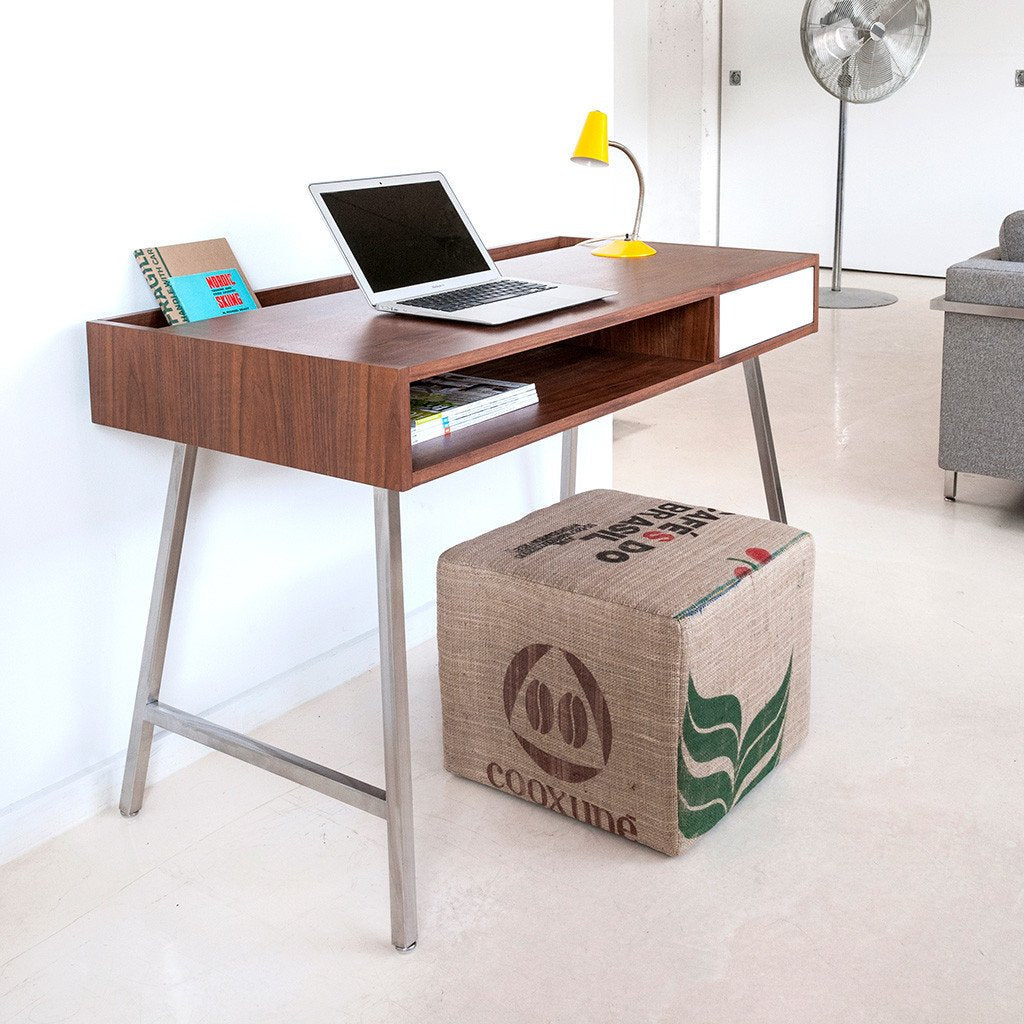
(403, 235)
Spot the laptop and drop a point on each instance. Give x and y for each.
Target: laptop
(412, 249)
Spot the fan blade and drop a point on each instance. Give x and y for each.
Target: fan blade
(907, 18)
(860, 15)
(847, 10)
(836, 42)
(905, 57)
(874, 66)
(898, 15)
(839, 11)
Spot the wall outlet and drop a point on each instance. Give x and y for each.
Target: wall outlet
(1019, 79)
(736, 77)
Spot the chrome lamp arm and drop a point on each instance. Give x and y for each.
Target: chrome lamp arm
(640, 175)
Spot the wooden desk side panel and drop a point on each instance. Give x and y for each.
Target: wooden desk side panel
(339, 419)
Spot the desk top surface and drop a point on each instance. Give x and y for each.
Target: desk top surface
(344, 326)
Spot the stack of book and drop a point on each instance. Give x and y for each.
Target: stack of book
(451, 401)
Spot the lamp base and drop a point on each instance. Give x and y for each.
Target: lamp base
(625, 248)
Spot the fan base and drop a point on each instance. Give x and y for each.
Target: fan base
(853, 298)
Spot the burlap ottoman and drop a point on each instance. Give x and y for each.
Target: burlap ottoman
(636, 664)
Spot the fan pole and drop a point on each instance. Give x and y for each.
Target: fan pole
(837, 252)
(837, 297)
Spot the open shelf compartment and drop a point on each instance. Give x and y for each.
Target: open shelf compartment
(577, 381)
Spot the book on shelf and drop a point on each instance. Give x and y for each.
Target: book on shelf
(196, 280)
(450, 401)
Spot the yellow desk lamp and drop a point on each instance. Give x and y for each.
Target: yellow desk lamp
(592, 149)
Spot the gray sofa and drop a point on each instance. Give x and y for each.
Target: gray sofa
(981, 429)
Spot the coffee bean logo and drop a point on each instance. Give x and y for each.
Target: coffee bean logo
(572, 720)
(577, 718)
(540, 707)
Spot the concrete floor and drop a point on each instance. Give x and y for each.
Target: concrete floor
(876, 877)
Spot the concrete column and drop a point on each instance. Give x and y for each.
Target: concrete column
(667, 67)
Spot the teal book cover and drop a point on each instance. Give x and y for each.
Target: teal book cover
(218, 293)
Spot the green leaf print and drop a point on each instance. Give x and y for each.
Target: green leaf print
(712, 729)
(765, 732)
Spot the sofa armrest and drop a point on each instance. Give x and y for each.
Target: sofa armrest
(987, 281)
(943, 305)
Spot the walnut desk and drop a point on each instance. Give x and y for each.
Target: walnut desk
(317, 380)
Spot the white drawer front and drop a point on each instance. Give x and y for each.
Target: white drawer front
(766, 310)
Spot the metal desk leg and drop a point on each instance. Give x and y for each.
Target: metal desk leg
(154, 650)
(395, 697)
(570, 439)
(765, 444)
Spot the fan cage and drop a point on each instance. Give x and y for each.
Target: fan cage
(862, 52)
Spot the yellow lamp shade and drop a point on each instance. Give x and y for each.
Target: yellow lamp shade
(593, 145)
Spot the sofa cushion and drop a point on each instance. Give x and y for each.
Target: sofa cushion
(1011, 237)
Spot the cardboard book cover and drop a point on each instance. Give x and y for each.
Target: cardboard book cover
(196, 280)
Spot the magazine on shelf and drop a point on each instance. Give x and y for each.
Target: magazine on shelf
(450, 401)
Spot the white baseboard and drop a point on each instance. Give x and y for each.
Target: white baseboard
(43, 815)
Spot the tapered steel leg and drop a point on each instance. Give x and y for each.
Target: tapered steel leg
(765, 443)
(154, 650)
(950, 485)
(395, 696)
(570, 440)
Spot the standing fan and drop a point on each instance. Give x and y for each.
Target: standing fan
(861, 51)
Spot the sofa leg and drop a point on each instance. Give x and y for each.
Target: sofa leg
(950, 485)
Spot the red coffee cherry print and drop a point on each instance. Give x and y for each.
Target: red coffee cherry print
(572, 720)
(742, 570)
(659, 535)
(540, 706)
(759, 555)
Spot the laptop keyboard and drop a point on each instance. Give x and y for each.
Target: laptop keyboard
(477, 295)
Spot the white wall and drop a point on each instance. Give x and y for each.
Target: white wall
(931, 170)
(135, 125)
(666, 103)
